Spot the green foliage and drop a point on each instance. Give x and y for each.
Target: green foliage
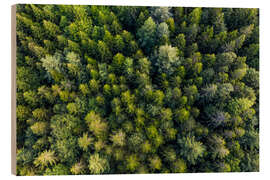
(51, 28)
(78, 168)
(45, 159)
(163, 33)
(225, 59)
(160, 14)
(98, 164)
(218, 148)
(22, 112)
(240, 105)
(118, 138)
(85, 141)
(31, 97)
(180, 42)
(147, 35)
(135, 140)
(59, 169)
(155, 163)
(120, 89)
(40, 114)
(52, 63)
(183, 115)
(179, 166)
(40, 128)
(118, 43)
(195, 16)
(191, 149)
(132, 162)
(96, 124)
(64, 125)
(252, 78)
(118, 63)
(94, 85)
(167, 59)
(104, 52)
(84, 89)
(26, 78)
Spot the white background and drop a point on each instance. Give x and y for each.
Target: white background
(5, 86)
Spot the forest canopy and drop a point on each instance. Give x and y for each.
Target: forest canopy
(117, 89)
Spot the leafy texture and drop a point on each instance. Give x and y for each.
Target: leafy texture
(121, 89)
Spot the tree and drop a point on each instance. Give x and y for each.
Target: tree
(218, 147)
(23, 112)
(191, 33)
(252, 54)
(108, 39)
(225, 59)
(67, 149)
(98, 164)
(96, 124)
(38, 13)
(40, 128)
(239, 73)
(26, 79)
(73, 46)
(158, 97)
(118, 63)
(191, 149)
(127, 16)
(118, 138)
(78, 168)
(147, 35)
(171, 25)
(239, 105)
(127, 97)
(160, 14)
(180, 42)
(73, 58)
(94, 86)
(31, 97)
(65, 125)
(220, 118)
(84, 89)
(85, 141)
(163, 33)
(179, 166)
(58, 169)
(135, 140)
(118, 43)
(183, 115)
(191, 91)
(116, 27)
(166, 114)
(155, 163)
(169, 154)
(52, 63)
(132, 162)
(167, 59)
(40, 114)
(118, 89)
(216, 16)
(209, 92)
(45, 159)
(52, 29)
(104, 52)
(195, 16)
(146, 147)
(252, 78)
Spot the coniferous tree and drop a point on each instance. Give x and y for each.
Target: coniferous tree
(108, 89)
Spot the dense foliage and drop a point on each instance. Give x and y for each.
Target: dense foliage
(105, 89)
